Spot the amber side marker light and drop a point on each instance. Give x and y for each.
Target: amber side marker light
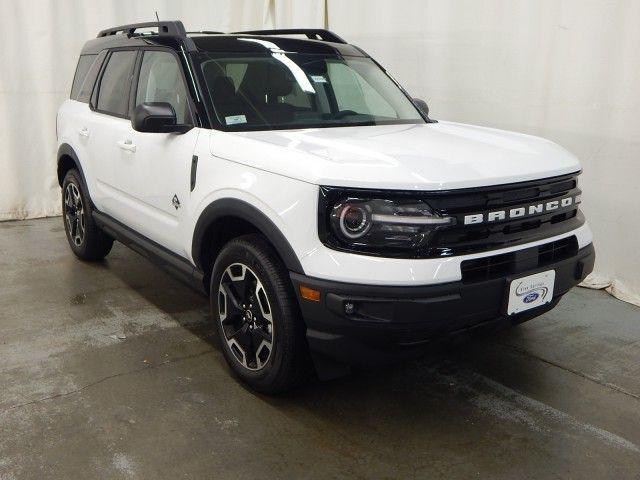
(309, 293)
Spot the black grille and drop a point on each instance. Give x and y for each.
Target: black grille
(487, 268)
(463, 239)
(556, 251)
(497, 266)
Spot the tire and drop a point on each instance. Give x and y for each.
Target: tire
(86, 240)
(257, 316)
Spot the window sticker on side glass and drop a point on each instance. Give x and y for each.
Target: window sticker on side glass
(235, 119)
(318, 79)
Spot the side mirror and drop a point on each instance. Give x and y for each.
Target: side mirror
(422, 105)
(157, 117)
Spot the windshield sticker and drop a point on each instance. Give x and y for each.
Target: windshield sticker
(235, 119)
(318, 79)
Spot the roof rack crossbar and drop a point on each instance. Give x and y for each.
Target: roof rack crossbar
(311, 33)
(173, 28)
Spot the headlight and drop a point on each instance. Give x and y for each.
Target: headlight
(353, 219)
(378, 225)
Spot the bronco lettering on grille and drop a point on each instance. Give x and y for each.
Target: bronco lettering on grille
(522, 211)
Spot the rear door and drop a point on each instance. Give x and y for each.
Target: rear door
(108, 123)
(154, 176)
(76, 117)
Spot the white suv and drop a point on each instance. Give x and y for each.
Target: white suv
(330, 220)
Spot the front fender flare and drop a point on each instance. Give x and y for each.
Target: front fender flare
(231, 207)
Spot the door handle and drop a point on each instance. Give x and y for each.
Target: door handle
(127, 145)
(84, 132)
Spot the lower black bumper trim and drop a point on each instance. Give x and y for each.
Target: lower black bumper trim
(389, 322)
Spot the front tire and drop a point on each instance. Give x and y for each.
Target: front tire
(86, 240)
(257, 316)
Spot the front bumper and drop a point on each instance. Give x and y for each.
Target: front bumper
(390, 322)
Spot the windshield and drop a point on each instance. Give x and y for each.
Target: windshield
(293, 90)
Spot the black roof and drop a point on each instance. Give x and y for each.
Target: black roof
(242, 43)
(172, 34)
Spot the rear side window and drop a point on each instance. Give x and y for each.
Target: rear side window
(82, 69)
(86, 87)
(113, 96)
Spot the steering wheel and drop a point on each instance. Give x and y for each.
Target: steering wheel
(345, 113)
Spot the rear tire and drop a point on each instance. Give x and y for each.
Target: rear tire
(257, 316)
(86, 240)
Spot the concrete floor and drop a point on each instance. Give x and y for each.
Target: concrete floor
(112, 371)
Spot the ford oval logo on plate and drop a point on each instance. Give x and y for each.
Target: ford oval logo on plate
(531, 297)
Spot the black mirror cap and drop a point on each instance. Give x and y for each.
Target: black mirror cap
(157, 117)
(424, 108)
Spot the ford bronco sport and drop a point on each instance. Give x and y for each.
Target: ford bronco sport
(330, 220)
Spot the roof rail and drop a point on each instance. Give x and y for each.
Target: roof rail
(173, 28)
(311, 33)
(205, 32)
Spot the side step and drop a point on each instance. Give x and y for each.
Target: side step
(157, 254)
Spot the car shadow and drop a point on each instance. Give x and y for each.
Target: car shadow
(179, 301)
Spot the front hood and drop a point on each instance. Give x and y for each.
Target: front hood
(437, 156)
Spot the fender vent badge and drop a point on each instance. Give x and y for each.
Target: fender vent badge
(176, 202)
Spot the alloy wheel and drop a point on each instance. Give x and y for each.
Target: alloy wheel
(74, 214)
(246, 316)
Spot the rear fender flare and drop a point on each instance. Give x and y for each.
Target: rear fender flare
(67, 150)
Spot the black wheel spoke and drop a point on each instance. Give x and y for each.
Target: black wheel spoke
(259, 335)
(249, 287)
(234, 334)
(233, 301)
(239, 335)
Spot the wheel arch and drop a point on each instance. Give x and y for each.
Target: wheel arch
(67, 160)
(222, 219)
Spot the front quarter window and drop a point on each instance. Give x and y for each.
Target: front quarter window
(293, 90)
(161, 81)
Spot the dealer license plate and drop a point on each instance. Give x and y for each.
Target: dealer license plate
(531, 291)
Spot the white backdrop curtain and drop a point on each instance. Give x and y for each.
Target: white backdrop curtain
(567, 70)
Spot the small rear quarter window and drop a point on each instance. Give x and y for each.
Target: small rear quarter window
(86, 74)
(84, 63)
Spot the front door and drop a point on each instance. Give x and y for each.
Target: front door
(154, 177)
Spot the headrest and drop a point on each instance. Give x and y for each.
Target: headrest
(212, 71)
(316, 67)
(223, 88)
(271, 79)
(279, 81)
